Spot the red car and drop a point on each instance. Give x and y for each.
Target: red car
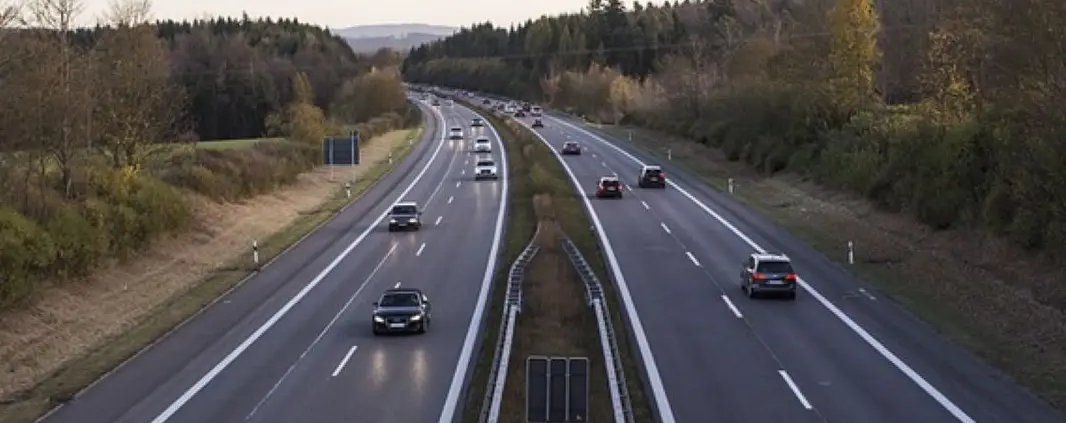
(609, 187)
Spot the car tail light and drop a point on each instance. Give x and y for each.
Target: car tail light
(662, 175)
(791, 276)
(758, 275)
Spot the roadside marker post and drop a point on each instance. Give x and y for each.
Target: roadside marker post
(851, 252)
(255, 253)
(348, 189)
(730, 186)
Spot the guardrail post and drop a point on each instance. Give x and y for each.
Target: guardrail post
(255, 253)
(669, 154)
(851, 252)
(348, 189)
(730, 185)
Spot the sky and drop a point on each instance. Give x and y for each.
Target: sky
(345, 13)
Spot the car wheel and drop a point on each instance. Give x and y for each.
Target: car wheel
(792, 295)
(392, 229)
(751, 291)
(422, 327)
(376, 331)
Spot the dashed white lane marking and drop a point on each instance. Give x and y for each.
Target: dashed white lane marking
(665, 228)
(397, 285)
(458, 183)
(419, 252)
(693, 258)
(732, 307)
(795, 389)
(450, 199)
(645, 205)
(438, 220)
(343, 362)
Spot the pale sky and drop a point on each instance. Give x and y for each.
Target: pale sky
(344, 13)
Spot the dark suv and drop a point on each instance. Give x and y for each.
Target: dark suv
(770, 273)
(571, 147)
(405, 215)
(401, 310)
(537, 123)
(651, 176)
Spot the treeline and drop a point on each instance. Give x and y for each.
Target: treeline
(96, 125)
(946, 110)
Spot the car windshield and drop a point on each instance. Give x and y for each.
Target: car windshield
(404, 210)
(485, 163)
(775, 267)
(483, 141)
(570, 145)
(653, 172)
(610, 183)
(406, 299)
(457, 129)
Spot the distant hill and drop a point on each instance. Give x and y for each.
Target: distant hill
(402, 37)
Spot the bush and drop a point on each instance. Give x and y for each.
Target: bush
(26, 250)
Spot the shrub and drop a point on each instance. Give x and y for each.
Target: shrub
(26, 250)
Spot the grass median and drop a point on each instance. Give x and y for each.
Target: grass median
(555, 319)
(63, 384)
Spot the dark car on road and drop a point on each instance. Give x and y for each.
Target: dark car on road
(609, 187)
(537, 123)
(768, 273)
(651, 176)
(571, 148)
(520, 113)
(401, 310)
(405, 215)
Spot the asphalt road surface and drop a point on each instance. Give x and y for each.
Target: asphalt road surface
(294, 343)
(836, 354)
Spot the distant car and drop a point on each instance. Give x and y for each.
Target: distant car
(486, 101)
(651, 176)
(482, 145)
(769, 273)
(485, 168)
(456, 133)
(436, 102)
(609, 187)
(401, 310)
(405, 215)
(509, 109)
(519, 113)
(537, 123)
(477, 123)
(571, 148)
(526, 107)
(537, 111)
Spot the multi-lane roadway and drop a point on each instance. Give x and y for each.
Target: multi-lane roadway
(711, 354)
(294, 342)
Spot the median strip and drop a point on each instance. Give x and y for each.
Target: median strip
(555, 318)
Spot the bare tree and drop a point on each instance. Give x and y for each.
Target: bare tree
(127, 13)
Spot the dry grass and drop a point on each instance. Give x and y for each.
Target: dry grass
(67, 322)
(973, 287)
(555, 321)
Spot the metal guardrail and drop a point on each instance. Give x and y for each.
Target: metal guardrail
(623, 407)
(490, 406)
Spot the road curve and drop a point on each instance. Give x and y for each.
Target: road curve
(836, 354)
(293, 343)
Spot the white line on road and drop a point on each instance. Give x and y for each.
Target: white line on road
(463, 172)
(645, 205)
(438, 220)
(450, 199)
(397, 285)
(795, 389)
(323, 332)
(347, 357)
(458, 183)
(693, 258)
(665, 228)
(604, 164)
(732, 307)
(870, 340)
(419, 252)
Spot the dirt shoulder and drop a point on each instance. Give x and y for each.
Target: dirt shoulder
(971, 286)
(67, 322)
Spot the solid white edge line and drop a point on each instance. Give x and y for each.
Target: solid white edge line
(176, 405)
(929, 389)
(420, 248)
(344, 361)
(651, 369)
(733, 308)
(439, 218)
(795, 389)
(451, 402)
(665, 228)
(692, 258)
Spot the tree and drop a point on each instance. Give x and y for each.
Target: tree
(853, 52)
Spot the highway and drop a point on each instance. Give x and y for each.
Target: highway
(294, 343)
(836, 354)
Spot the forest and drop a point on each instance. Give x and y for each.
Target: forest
(934, 108)
(100, 125)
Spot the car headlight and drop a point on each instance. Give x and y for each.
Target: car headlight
(392, 220)
(412, 220)
(416, 317)
(379, 319)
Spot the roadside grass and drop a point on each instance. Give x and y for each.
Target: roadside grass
(963, 283)
(538, 178)
(235, 144)
(63, 384)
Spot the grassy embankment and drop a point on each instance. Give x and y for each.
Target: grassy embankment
(555, 319)
(75, 374)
